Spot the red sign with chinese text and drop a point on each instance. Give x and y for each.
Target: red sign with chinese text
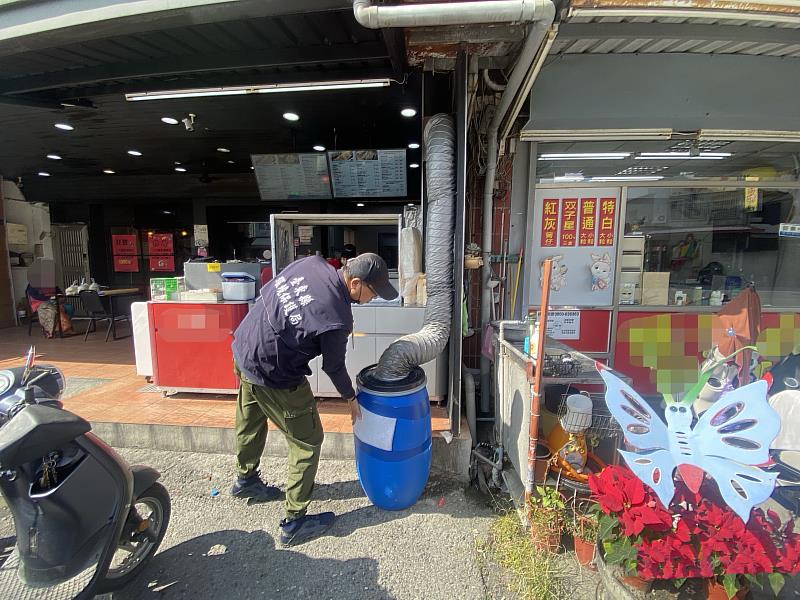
(162, 263)
(126, 264)
(124, 245)
(160, 244)
(608, 213)
(569, 221)
(587, 222)
(550, 222)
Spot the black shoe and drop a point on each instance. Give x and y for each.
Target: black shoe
(253, 487)
(303, 529)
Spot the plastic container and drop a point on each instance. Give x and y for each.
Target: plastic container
(238, 286)
(393, 439)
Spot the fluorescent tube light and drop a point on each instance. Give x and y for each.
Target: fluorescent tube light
(568, 178)
(629, 178)
(585, 156)
(269, 88)
(682, 156)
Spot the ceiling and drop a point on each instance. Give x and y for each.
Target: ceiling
(93, 75)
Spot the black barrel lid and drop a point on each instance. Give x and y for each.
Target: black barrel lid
(367, 381)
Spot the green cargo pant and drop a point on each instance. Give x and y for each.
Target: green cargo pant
(294, 412)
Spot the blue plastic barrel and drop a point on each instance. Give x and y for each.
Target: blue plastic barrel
(393, 438)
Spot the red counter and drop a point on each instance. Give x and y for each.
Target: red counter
(191, 345)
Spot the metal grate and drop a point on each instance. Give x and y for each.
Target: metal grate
(12, 587)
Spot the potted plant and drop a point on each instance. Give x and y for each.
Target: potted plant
(546, 518)
(472, 256)
(698, 537)
(583, 526)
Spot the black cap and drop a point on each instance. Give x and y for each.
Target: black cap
(372, 270)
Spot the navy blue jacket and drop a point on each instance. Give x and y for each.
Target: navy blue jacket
(301, 314)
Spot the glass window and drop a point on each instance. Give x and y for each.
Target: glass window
(700, 246)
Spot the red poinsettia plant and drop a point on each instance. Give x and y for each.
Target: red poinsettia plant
(698, 537)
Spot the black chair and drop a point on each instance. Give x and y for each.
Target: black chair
(96, 311)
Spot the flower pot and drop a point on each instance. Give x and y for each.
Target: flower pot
(542, 464)
(635, 582)
(546, 539)
(584, 551)
(716, 591)
(473, 262)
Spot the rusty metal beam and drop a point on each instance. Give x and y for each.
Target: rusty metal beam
(678, 31)
(785, 7)
(473, 34)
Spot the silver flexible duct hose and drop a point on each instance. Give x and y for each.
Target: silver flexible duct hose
(416, 349)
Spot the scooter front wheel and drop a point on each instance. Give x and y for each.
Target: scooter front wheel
(141, 537)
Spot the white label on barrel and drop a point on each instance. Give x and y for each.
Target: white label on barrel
(375, 430)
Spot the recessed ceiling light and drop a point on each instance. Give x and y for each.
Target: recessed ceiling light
(53, 157)
(169, 120)
(414, 166)
(64, 126)
(108, 171)
(413, 145)
(134, 153)
(408, 112)
(319, 148)
(360, 204)
(43, 174)
(252, 168)
(166, 212)
(222, 150)
(230, 162)
(180, 169)
(177, 162)
(410, 204)
(290, 116)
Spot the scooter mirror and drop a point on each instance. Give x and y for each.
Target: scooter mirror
(29, 361)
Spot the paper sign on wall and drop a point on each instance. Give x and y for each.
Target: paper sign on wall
(608, 214)
(160, 244)
(587, 222)
(564, 324)
(162, 263)
(126, 264)
(124, 245)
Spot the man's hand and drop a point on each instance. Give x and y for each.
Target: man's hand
(355, 410)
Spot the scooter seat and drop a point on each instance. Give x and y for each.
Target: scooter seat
(36, 430)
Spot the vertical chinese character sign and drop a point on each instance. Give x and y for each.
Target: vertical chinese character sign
(577, 229)
(569, 221)
(608, 214)
(588, 222)
(550, 222)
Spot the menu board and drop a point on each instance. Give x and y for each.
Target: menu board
(292, 176)
(368, 173)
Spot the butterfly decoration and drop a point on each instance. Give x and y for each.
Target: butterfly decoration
(727, 442)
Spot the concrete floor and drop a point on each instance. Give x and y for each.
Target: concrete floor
(222, 548)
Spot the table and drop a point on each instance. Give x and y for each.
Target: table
(110, 293)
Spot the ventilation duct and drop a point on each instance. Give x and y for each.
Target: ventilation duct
(418, 348)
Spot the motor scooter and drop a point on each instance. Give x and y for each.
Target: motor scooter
(86, 522)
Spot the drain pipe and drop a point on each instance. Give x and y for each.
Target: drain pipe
(469, 396)
(545, 16)
(446, 13)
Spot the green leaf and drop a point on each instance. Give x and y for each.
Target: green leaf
(606, 526)
(730, 584)
(679, 582)
(776, 581)
(754, 580)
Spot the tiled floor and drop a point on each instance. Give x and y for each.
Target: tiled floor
(119, 399)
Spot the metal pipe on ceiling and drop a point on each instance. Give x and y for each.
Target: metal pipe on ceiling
(451, 13)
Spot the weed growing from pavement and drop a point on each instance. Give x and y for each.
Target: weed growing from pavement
(529, 573)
